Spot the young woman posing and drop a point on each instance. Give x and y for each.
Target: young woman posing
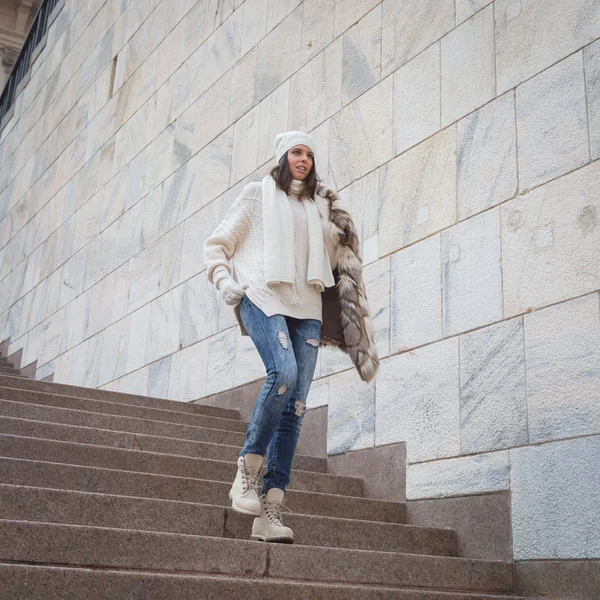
(286, 256)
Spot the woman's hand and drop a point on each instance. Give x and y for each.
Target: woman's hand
(231, 291)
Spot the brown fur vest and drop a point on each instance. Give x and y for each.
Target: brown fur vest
(347, 318)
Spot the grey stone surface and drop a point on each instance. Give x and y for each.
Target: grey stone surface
(411, 26)
(467, 8)
(475, 474)
(549, 254)
(558, 28)
(471, 273)
(417, 399)
(351, 414)
(487, 156)
(591, 58)
(416, 299)
(467, 66)
(221, 359)
(377, 284)
(317, 27)
(563, 369)
(554, 499)
(552, 123)
(493, 397)
(481, 523)
(417, 107)
(418, 192)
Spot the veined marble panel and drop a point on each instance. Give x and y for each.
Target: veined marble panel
(158, 378)
(221, 361)
(85, 366)
(317, 26)
(563, 369)
(243, 79)
(51, 332)
(187, 379)
(177, 197)
(591, 56)
(273, 120)
(172, 243)
(114, 351)
(164, 325)
(377, 284)
(223, 48)
(248, 363)
(467, 8)
(318, 395)
(254, 25)
(145, 275)
(212, 111)
(200, 310)
(138, 338)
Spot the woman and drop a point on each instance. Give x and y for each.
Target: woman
(284, 241)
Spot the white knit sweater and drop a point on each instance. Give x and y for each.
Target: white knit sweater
(236, 248)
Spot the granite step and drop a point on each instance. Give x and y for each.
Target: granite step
(29, 582)
(122, 459)
(125, 410)
(21, 503)
(81, 418)
(136, 441)
(118, 397)
(6, 370)
(44, 474)
(84, 546)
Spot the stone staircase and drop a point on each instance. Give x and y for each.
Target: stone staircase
(105, 495)
(8, 368)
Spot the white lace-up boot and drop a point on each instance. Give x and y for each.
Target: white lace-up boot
(269, 526)
(244, 491)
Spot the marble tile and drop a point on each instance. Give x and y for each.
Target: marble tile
(411, 26)
(317, 27)
(135, 180)
(551, 123)
(135, 383)
(318, 395)
(493, 398)
(73, 274)
(254, 25)
(75, 324)
(458, 476)
(221, 361)
(418, 401)
(416, 299)
(316, 89)
(158, 378)
(151, 220)
(223, 48)
(200, 310)
(164, 325)
(468, 77)
(278, 53)
(217, 11)
(248, 363)
(115, 196)
(170, 264)
(550, 254)
(88, 221)
(101, 304)
(188, 81)
(555, 490)
(361, 68)
(85, 366)
(114, 351)
(361, 135)
(183, 144)
(377, 285)
(334, 360)
(196, 30)
(557, 33)
(471, 273)
(163, 108)
(187, 378)
(351, 414)
(417, 99)
(214, 169)
(145, 276)
(418, 192)
(120, 299)
(563, 369)
(177, 197)
(591, 63)
(487, 157)
(159, 157)
(51, 331)
(170, 54)
(138, 338)
(362, 201)
(243, 79)
(273, 120)
(244, 155)
(212, 112)
(279, 10)
(467, 8)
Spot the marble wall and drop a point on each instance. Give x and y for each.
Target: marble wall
(464, 137)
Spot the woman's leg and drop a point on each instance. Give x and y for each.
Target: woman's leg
(271, 338)
(305, 335)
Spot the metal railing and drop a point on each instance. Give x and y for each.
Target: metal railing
(24, 60)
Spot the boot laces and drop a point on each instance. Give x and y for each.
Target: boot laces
(250, 478)
(273, 511)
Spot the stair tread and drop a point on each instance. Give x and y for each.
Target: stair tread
(47, 579)
(110, 547)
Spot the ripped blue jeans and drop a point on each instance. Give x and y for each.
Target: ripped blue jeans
(289, 349)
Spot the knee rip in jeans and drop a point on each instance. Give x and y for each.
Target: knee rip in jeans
(312, 342)
(283, 339)
(300, 408)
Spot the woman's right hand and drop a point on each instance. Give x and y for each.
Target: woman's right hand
(231, 291)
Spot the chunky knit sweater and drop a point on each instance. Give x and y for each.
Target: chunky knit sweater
(236, 248)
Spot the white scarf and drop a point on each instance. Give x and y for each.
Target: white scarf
(278, 227)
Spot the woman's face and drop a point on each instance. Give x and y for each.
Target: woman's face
(300, 161)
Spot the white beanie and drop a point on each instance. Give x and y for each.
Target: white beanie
(289, 139)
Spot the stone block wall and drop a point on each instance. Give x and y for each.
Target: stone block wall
(464, 136)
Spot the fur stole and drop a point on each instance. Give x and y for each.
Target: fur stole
(347, 318)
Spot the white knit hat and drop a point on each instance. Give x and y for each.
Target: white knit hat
(289, 139)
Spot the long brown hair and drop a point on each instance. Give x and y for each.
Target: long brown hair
(283, 178)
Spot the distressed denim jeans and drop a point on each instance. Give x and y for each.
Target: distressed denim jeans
(289, 348)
